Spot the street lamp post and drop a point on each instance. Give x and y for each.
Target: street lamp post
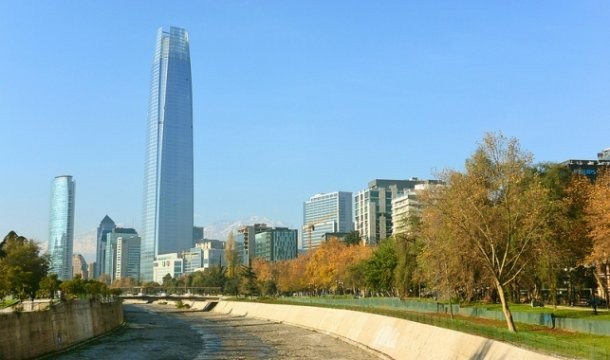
(594, 290)
(570, 287)
(605, 262)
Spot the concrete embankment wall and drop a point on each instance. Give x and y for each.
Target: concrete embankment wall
(30, 334)
(396, 338)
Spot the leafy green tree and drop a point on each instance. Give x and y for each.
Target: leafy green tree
(249, 283)
(379, 269)
(214, 276)
(74, 288)
(407, 248)
(21, 266)
(352, 238)
(169, 283)
(269, 288)
(48, 286)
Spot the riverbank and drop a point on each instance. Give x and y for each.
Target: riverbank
(396, 338)
(31, 334)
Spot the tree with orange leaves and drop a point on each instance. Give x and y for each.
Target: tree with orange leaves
(597, 213)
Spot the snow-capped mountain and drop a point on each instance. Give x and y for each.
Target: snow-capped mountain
(220, 230)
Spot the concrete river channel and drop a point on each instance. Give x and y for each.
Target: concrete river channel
(159, 332)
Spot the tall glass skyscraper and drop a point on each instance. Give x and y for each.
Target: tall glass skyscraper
(168, 172)
(61, 226)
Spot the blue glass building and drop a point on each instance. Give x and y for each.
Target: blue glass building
(325, 214)
(106, 226)
(61, 226)
(168, 171)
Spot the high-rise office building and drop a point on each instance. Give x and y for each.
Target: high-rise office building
(168, 170)
(373, 207)
(61, 226)
(197, 234)
(122, 254)
(277, 244)
(246, 237)
(106, 226)
(326, 213)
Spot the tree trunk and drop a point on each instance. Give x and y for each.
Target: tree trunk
(507, 314)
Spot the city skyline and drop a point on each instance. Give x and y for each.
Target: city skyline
(326, 98)
(167, 215)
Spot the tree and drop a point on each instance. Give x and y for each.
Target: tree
(168, 282)
(597, 213)
(249, 285)
(74, 288)
(21, 266)
(231, 256)
(48, 286)
(352, 238)
(495, 214)
(379, 269)
(568, 237)
(407, 247)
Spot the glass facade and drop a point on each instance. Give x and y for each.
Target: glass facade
(277, 244)
(122, 254)
(326, 213)
(168, 171)
(106, 226)
(61, 226)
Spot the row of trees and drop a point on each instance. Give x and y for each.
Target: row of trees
(24, 274)
(501, 225)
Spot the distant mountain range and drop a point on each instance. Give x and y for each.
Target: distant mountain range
(220, 230)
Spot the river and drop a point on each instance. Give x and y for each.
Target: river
(160, 332)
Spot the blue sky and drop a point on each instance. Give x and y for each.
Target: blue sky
(291, 98)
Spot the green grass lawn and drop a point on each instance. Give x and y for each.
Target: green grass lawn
(7, 303)
(561, 311)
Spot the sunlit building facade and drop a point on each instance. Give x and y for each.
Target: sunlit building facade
(407, 204)
(168, 176)
(79, 266)
(61, 226)
(246, 236)
(277, 244)
(122, 254)
(373, 217)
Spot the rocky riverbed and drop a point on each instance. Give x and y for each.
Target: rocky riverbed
(162, 332)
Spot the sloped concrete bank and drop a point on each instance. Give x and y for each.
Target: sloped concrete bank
(30, 334)
(397, 338)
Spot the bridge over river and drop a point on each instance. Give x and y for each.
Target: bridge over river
(163, 332)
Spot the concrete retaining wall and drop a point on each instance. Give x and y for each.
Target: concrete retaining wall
(30, 334)
(396, 338)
